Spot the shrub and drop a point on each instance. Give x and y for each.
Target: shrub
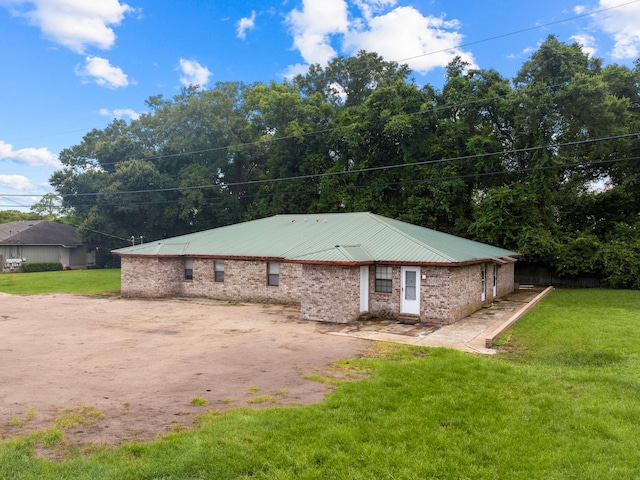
(41, 267)
(621, 262)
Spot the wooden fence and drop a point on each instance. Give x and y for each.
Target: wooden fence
(539, 274)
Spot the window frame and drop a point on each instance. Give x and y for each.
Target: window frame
(273, 274)
(218, 271)
(188, 269)
(383, 279)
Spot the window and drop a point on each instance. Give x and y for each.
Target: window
(383, 279)
(483, 281)
(218, 270)
(188, 268)
(273, 274)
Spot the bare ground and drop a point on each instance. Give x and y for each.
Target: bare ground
(140, 363)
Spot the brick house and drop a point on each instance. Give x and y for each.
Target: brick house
(336, 266)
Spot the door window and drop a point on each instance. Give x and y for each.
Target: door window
(410, 285)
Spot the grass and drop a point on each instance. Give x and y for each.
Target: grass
(561, 401)
(262, 399)
(68, 281)
(71, 417)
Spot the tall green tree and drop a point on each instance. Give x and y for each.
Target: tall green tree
(371, 144)
(291, 130)
(348, 81)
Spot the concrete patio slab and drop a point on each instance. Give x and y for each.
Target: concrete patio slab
(469, 334)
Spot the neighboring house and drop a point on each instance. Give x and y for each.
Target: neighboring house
(336, 266)
(41, 241)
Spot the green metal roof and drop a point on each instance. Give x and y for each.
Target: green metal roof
(331, 237)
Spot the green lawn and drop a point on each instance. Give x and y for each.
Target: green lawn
(561, 402)
(71, 281)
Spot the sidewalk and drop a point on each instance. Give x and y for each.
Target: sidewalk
(474, 333)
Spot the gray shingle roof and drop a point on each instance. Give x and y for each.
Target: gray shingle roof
(38, 232)
(326, 238)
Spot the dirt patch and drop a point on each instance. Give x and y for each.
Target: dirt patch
(140, 363)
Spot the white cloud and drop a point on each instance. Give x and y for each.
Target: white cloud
(193, 73)
(15, 182)
(75, 24)
(369, 7)
(623, 25)
(424, 42)
(579, 9)
(120, 112)
(396, 33)
(103, 73)
(246, 23)
(295, 69)
(312, 26)
(29, 156)
(587, 42)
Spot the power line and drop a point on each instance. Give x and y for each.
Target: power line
(593, 164)
(515, 171)
(347, 172)
(14, 202)
(528, 29)
(267, 140)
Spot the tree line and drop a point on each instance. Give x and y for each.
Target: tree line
(545, 164)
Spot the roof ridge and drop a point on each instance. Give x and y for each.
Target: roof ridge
(383, 220)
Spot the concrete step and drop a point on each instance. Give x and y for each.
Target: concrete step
(408, 318)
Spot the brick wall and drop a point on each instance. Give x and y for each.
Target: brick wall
(465, 291)
(243, 280)
(466, 288)
(330, 293)
(151, 277)
(506, 277)
(384, 305)
(435, 303)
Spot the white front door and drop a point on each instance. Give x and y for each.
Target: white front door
(364, 288)
(410, 290)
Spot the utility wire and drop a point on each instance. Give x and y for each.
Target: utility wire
(267, 140)
(528, 29)
(347, 172)
(387, 184)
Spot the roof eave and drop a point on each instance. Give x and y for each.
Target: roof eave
(501, 261)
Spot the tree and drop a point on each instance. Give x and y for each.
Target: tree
(349, 81)
(291, 132)
(545, 165)
(49, 207)
(374, 140)
(15, 215)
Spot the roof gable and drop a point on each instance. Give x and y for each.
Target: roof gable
(326, 238)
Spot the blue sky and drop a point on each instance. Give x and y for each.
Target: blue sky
(72, 65)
